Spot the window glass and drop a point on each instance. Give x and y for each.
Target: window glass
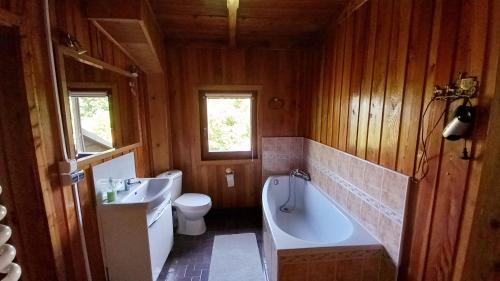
(229, 124)
(91, 120)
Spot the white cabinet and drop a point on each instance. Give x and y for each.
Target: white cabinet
(135, 241)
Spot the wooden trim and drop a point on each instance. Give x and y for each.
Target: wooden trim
(9, 19)
(233, 155)
(91, 85)
(229, 162)
(110, 38)
(351, 7)
(112, 93)
(83, 58)
(232, 8)
(229, 87)
(85, 163)
(61, 53)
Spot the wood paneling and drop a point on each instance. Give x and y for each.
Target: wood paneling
(64, 261)
(134, 28)
(373, 97)
(263, 22)
(278, 73)
(21, 190)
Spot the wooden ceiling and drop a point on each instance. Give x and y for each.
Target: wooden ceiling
(260, 22)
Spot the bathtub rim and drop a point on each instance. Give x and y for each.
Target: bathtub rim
(285, 242)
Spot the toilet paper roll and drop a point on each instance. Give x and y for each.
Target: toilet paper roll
(230, 180)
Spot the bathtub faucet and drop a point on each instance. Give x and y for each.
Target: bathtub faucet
(301, 174)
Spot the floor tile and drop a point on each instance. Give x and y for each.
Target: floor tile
(190, 257)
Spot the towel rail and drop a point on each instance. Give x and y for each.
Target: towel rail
(7, 251)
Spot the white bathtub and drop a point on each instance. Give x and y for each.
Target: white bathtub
(316, 222)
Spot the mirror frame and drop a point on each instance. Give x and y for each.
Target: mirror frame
(63, 52)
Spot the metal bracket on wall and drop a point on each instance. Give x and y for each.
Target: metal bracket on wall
(463, 87)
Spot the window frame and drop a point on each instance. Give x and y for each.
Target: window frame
(89, 93)
(206, 155)
(78, 87)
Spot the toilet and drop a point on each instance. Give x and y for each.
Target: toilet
(191, 207)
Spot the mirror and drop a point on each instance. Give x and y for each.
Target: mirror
(99, 105)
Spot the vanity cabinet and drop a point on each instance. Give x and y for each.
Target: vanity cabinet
(136, 242)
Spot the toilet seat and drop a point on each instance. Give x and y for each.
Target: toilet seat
(193, 201)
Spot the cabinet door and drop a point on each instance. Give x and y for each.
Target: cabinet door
(161, 237)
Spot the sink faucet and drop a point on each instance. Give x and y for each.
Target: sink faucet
(130, 182)
(301, 174)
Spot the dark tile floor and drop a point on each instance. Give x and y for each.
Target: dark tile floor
(190, 257)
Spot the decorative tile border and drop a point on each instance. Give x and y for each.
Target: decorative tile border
(373, 195)
(387, 211)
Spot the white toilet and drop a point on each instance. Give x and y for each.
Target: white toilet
(191, 207)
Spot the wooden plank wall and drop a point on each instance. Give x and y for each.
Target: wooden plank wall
(280, 73)
(69, 16)
(380, 64)
(21, 190)
(58, 202)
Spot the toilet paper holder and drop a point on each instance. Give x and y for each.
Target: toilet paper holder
(230, 177)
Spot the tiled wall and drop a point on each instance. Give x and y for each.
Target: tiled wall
(280, 155)
(356, 263)
(373, 195)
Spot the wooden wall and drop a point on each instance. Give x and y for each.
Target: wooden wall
(380, 64)
(69, 16)
(57, 201)
(280, 73)
(21, 190)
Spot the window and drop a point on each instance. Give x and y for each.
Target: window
(91, 122)
(228, 124)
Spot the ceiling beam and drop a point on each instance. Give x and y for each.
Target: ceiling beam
(232, 7)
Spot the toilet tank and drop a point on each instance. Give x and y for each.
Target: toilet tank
(175, 177)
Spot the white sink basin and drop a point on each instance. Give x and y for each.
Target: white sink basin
(150, 192)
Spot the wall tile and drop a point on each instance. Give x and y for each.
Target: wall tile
(343, 166)
(280, 155)
(356, 171)
(370, 217)
(374, 195)
(372, 180)
(342, 196)
(333, 160)
(389, 234)
(283, 146)
(269, 144)
(394, 188)
(368, 181)
(354, 205)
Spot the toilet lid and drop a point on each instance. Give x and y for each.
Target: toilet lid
(192, 200)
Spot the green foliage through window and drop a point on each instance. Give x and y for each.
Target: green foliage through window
(229, 124)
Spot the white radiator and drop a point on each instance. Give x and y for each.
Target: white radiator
(7, 251)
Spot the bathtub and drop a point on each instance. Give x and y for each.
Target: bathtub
(317, 231)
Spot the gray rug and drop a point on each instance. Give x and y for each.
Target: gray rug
(236, 258)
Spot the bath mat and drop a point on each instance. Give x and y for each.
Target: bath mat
(236, 257)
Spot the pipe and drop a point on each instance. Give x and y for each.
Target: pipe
(7, 251)
(55, 88)
(62, 137)
(76, 197)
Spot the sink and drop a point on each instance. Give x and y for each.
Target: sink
(138, 224)
(151, 192)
